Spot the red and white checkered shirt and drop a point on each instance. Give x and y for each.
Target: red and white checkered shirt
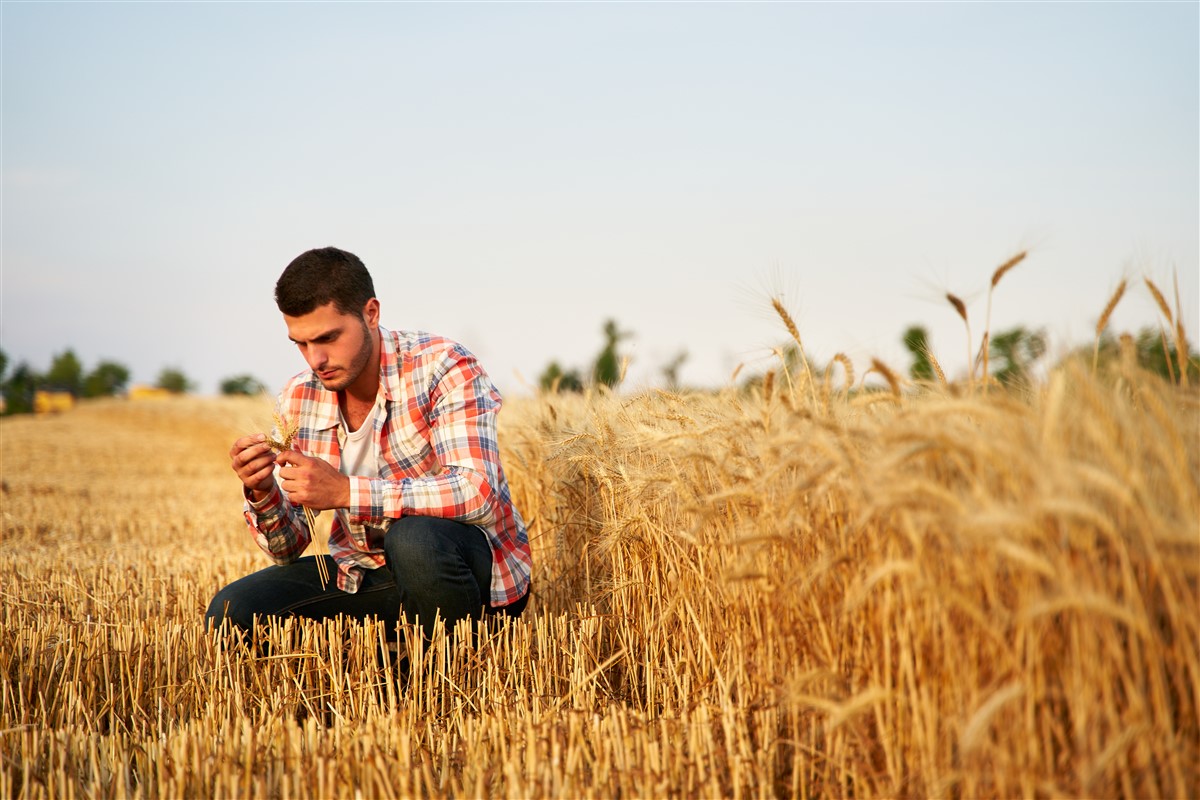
(437, 442)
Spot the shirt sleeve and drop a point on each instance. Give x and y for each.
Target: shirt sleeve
(463, 410)
(278, 529)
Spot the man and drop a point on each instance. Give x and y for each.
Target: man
(395, 432)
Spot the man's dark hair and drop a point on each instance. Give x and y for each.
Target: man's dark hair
(319, 276)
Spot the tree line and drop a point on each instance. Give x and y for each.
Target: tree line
(1013, 356)
(105, 379)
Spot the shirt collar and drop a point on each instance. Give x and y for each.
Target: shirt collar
(326, 415)
(389, 365)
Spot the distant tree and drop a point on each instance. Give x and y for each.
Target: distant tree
(1152, 354)
(107, 379)
(242, 384)
(66, 373)
(1013, 354)
(670, 370)
(916, 340)
(1162, 358)
(173, 380)
(3, 364)
(608, 364)
(554, 379)
(19, 389)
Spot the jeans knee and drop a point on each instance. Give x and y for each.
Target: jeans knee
(226, 607)
(414, 545)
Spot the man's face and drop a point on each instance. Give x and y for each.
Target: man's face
(336, 346)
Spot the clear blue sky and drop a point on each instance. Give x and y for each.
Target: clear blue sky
(515, 174)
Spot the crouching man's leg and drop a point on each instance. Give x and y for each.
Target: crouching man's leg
(295, 590)
(441, 567)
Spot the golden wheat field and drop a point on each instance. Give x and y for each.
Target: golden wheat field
(783, 592)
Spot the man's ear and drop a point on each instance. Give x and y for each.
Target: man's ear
(371, 313)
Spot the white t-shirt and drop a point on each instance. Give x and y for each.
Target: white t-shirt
(360, 448)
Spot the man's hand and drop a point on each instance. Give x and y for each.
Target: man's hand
(313, 483)
(254, 461)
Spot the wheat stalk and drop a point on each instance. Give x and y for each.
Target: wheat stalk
(961, 308)
(1161, 302)
(794, 331)
(287, 432)
(1006, 266)
(937, 367)
(1102, 323)
(1182, 352)
(847, 380)
(889, 376)
(987, 327)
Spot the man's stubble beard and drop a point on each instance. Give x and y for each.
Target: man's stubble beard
(361, 359)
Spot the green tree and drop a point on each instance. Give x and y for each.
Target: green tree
(19, 389)
(173, 380)
(3, 364)
(107, 379)
(916, 340)
(607, 369)
(66, 373)
(1013, 354)
(1162, 359)
(242, 384)
(554, 379)
(1151, 354)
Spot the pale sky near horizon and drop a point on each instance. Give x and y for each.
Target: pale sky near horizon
(514, 174)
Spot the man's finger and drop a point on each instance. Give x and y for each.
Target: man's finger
(245, 443)
(261, 476)
(250, 454)
(292, 458)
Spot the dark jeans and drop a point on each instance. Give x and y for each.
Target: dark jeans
(434, 566)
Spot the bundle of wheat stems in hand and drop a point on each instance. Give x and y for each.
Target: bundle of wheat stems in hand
(287, 430)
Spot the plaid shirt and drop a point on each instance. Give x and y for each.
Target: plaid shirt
(437, 441)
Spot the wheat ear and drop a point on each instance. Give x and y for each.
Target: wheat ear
(1161, 302)
(790, 324)
(889, 376)
(1182, 353)
(961, 308)
(987, 327)
(1102, 323)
